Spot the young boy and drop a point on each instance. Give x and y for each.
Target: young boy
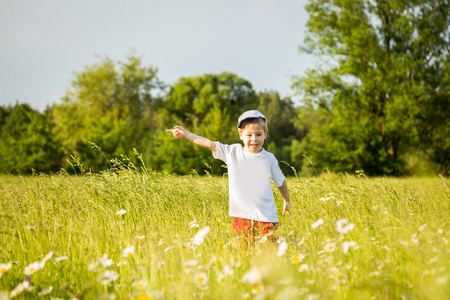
(250, 169)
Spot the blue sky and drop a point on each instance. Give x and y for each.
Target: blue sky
(42, 43)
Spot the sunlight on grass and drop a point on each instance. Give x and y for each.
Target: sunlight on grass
(149, 236)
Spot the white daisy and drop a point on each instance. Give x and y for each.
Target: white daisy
(282, 249)
(45, 291)
(201, 279)
(347, 245)
(5, 268)
(317, 223)
(200, 235)
(128, 251)
(33, 267)
(343, 226)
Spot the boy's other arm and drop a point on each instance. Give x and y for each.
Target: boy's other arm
(286, 198)
(180, 132)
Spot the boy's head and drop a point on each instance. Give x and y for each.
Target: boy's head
(253, 117)
(252, 127)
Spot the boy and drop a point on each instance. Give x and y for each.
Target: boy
(250, 169)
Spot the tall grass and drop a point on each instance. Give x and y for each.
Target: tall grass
(399, 247)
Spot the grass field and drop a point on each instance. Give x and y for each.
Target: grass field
(128, 235)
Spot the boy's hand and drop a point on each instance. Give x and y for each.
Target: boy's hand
(178, 132)
(287, 208)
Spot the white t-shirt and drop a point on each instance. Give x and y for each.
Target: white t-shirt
(249, 175)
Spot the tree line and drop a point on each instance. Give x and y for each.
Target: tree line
(378, 103)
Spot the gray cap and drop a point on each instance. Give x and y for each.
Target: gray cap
(250, 114)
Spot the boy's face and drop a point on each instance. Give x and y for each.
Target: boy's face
(253, 137)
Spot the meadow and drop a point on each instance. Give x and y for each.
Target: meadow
(137, 234)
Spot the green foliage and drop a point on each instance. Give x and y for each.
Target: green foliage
(111, 105)
(192, 98)
(385, 88)
(207, 105)
(26, 141)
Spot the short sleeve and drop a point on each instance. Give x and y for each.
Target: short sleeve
(221, 152)
(277, 176)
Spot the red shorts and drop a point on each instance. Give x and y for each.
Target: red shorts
(250, 228)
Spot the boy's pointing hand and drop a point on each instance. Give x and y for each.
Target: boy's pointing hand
(178, 132)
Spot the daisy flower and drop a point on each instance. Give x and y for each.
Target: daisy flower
(347, 245)
(140, 284)
(282, 249)
(190, 263)
(200, 235)
(121, 212)
(303, 268)
(193, 224)
(254, 276)
(48, 256)
(330, 247)
(256, 289)
(45, 291)
(317, 223)
(201, 279)
(343, 226)
(374, 274)
(33, 267)
(412, 240)
(227, 270)
(107, 277)
(5, 268)
(121, 263)
(297, 258)
(61, 258)
(20, 288)
(128, 251)
(105, 261)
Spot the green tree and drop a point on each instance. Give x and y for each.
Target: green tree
(111, 105)
(208, 105)
(27, 142)
(385, 89)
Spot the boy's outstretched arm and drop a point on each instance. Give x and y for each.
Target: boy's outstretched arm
(286, 198)
(179, 132)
